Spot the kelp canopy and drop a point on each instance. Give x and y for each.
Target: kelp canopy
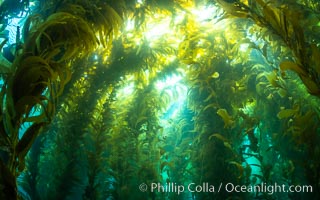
(102, 96)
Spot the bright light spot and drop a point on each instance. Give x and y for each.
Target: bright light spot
(172, 85)
(12, 28)
(158, 29)
(127, 90)
(127, 86)
(204, 13)
(174, 108)
(168, 82)
(147, 73)
(249, 108)
(32, 4)
(170, 59)
(35, 111)
(244, 47)
(179, 18)
(130, 25)
(140, 1)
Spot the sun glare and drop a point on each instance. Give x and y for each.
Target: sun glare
(129, 25)
(158, 28)
(127, 88)
(204, 13)
(168, 82)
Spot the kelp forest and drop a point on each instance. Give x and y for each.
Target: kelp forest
(159, 99)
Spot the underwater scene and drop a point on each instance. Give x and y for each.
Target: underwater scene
(159, 99)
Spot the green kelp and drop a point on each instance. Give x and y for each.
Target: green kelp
(286, 21)
(123, 99)
(42, 66)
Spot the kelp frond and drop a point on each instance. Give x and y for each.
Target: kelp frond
(61, 37)
(285, 21)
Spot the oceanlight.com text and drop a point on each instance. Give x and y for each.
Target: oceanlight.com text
(227, 187)
(269, 189)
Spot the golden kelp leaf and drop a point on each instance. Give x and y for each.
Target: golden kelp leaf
(239, 167)
(237, 9)
(315, 57)
(228, 145)
(60, 35)
(212, 94)
(25, 104)
(282, 92)
(165, 163)
(306, 118)
(182, 49)
(31, 22)
(35, 71)
(285, 113)
(218, 136)
(40, 65)
(43, 36)
(35, 119)
(215, 75)
(5, 65)
(212, 105)
(258, 67)
(227, 119)
(3, 43)
(270, 76)
(313, 88)
(288, 65)
(58, 84)
(107, 23)
(27, 139)
(272, 16)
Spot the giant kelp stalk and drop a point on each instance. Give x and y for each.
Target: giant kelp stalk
(40, 73)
